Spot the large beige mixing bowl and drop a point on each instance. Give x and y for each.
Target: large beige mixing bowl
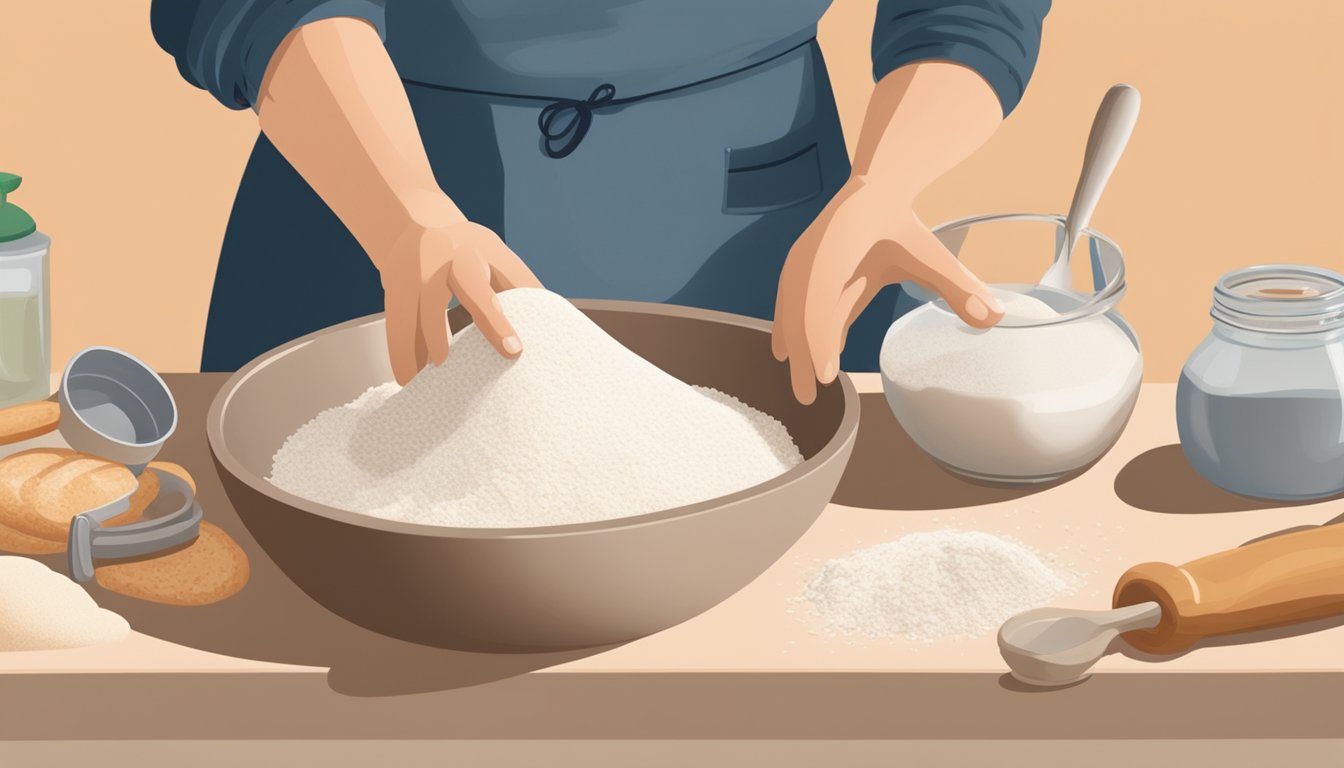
(529, 588)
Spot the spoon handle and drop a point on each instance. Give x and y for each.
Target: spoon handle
(1106, 141)
(1285, 579)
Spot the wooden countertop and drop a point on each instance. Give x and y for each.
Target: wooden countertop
(270, 663)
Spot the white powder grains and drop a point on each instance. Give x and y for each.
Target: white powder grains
(43, 610)
(929, 586)
(577, 429)
(1006, 403)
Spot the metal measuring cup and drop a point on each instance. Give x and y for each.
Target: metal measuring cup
(116, 407)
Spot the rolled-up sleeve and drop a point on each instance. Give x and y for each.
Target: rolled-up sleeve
(224, 46)
(999, 39)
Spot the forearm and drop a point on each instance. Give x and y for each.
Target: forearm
(333, 105)
(923, 119)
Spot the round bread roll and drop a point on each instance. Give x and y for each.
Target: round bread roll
(207, 570)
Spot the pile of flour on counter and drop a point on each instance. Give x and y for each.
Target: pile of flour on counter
(934, 585)
(577, 429)
(42, 610)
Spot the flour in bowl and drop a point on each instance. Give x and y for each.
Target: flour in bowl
(577, 429)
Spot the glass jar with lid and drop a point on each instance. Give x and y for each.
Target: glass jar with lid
(25, 318)
(1260, 403)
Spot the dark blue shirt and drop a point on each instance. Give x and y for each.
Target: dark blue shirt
(559, 49)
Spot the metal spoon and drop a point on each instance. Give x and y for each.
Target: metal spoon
(1110, 133)
(1057, 646)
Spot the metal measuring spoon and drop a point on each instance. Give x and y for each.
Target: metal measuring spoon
(1110, 133)
(1057, 646)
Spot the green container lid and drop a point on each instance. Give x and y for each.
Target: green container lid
(14, 221)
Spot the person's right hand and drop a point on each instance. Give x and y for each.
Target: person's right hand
(424, 268)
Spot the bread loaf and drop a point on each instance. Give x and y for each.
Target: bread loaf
(207, 570)
(28, 420)
(42, 489)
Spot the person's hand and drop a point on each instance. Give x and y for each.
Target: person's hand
(424, 268)
(865, 239)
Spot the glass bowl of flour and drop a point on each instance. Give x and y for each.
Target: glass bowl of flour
(1043, 394)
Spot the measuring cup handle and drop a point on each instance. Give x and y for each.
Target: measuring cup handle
(79, 549)
(79, 544)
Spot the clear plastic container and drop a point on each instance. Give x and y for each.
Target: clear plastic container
(25, 314)
(1260, 404)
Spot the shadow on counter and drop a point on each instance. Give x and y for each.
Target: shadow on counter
(1161, 480)
(272, 620)
(888, 471)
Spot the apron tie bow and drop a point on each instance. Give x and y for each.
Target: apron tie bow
(564, 123)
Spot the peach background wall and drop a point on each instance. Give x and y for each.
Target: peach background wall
(1234, 162)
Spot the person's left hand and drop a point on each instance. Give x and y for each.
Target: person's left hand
(866, 238)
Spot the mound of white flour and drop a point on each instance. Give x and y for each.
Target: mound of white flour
(42, 610)
(928, 586)
(577, 429)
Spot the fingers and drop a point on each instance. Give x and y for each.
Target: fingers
(401, 303)
(870, 290)
(433, 316)
(784, 304)
(777, 346)
(469, 278)
(511, 272)
(931, 264)
(788, 340)
(832, 288)
(853, 299)
(803, 379)
(792, 291)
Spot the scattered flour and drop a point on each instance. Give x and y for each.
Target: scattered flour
(42, 610)
(577, 429)
(1010, 402)
(934, 585)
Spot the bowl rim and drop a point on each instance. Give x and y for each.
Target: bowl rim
(845, 434)
(1097, 303)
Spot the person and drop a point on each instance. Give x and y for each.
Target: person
(680, 151)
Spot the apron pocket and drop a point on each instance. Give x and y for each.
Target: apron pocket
(771, 176)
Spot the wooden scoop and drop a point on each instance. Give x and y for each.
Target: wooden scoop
(1162, 609)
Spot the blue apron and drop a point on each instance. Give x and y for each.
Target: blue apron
(689, 196)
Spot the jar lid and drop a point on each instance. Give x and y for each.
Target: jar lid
(1280, 298)
(14, 221)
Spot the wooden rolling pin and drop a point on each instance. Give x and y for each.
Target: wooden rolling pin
(1285, 579)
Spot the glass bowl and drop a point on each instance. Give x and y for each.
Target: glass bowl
(1041, 395)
